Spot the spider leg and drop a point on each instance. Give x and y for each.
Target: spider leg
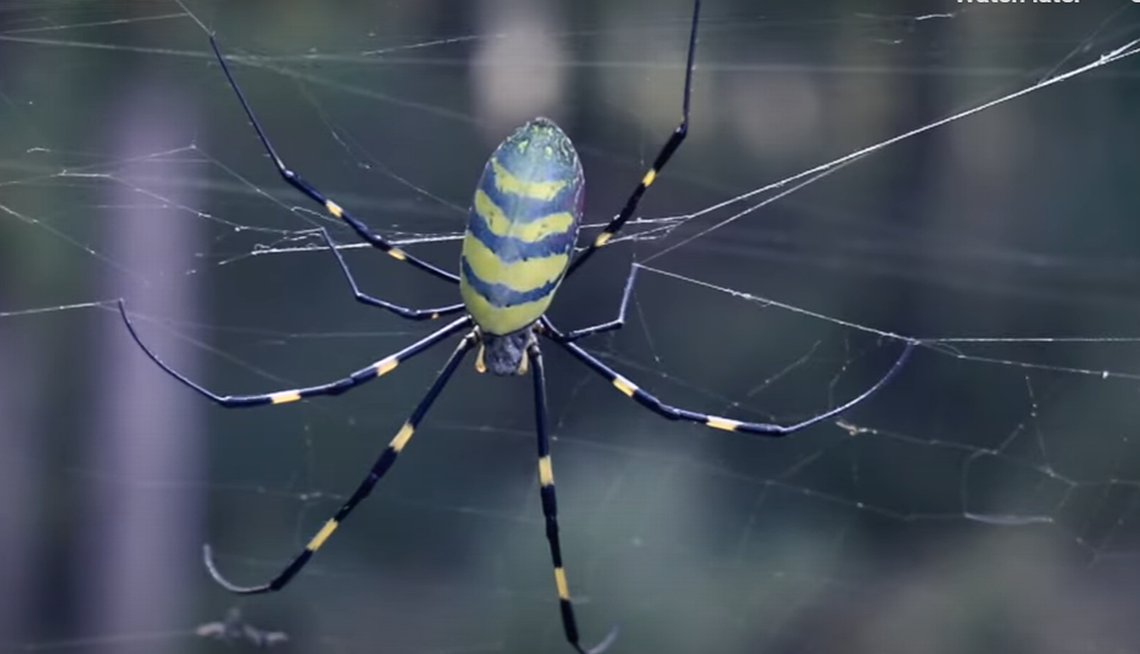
(608, 326)
(671, 412)
(381, 367)
(663, 156)
(379, 469)
(550, 509)
(364, 298)
(297, 182)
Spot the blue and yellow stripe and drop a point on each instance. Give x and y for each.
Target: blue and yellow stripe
(521, 228)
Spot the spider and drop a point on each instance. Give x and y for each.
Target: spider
(518, 246)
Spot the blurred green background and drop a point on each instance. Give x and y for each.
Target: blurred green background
(984, 502)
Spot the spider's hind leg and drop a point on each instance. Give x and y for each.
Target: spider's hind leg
(550, 509)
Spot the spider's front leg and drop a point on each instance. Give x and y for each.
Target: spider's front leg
(334, 209)
(663, 156)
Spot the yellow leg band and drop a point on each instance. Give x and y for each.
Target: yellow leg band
(284, 397)
(402, 437)
(322, 536)
(722, 423)
(545, 471)
(560, 582)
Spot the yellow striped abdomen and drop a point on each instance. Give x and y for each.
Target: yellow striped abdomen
(521, 228)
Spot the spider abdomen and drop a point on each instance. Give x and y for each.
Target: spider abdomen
(521, 228)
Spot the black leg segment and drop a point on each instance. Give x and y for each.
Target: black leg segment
(364, 298)
(609, 326)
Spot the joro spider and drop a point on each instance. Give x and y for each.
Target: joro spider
(517, 248)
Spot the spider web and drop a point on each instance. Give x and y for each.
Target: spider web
(984, 501)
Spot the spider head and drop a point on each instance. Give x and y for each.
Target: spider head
(504, 355)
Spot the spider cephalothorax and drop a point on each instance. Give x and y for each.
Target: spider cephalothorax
(505, 355)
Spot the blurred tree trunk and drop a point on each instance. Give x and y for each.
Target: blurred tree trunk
(140, 551)
(19, 453)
